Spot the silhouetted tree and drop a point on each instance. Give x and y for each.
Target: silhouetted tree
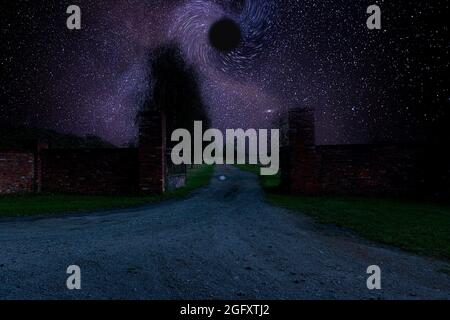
(174, 89)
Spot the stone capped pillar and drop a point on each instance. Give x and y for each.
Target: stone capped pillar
(152, 152)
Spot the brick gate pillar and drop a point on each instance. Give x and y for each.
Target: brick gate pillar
(152, 152)
(303, 160)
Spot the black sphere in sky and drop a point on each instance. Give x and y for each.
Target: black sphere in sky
(225, 35)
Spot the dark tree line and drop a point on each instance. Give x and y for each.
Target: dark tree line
(24, 137)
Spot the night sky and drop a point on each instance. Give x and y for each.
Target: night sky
(366, 85)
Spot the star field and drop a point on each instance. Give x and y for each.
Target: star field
(366, 85)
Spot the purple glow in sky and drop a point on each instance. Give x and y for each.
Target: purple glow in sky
(365, 85)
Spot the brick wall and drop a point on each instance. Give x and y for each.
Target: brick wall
(17, 172)
(368, 170)
(90, 171)
(388, 170)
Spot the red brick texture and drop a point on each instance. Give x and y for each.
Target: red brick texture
(90, 171)
(17, 172)
(388, 170)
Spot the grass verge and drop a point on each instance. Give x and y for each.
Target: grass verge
(29, 205)
(423, 228)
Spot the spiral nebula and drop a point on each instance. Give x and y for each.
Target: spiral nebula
(194, 19)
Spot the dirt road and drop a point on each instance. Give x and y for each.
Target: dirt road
(223, 242)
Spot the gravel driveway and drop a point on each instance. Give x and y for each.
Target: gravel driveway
(223, 242)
